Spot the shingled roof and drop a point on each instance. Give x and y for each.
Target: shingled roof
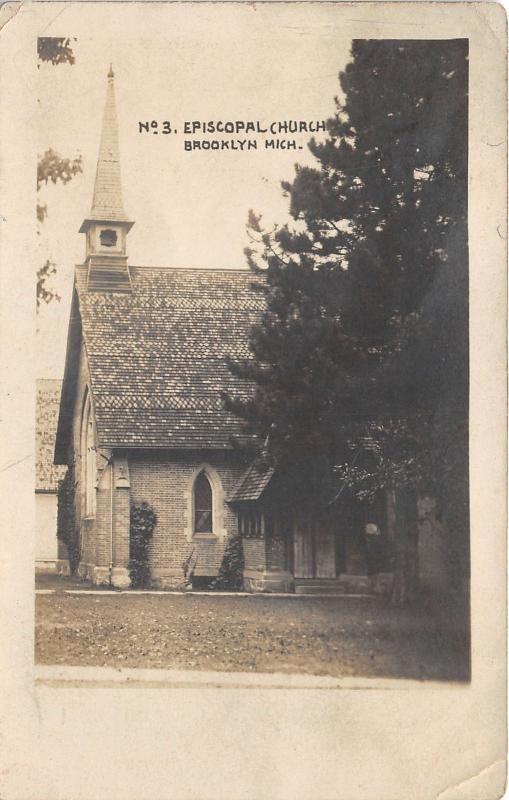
(47, 475)
(158, 356)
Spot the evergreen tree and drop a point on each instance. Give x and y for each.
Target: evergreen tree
(362, 351)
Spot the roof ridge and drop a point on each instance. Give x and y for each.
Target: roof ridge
(228, 270)
(192, 269)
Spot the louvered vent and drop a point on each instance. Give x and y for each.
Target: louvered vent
(109, 275)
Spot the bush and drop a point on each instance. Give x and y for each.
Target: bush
(231, 571)
(142, 523)
(67, 529)
(188, 568)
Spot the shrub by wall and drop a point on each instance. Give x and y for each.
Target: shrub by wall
(67, 528)
(230, 575)
(141, 528)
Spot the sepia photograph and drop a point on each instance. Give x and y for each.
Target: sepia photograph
(253, 416)
(252, 368)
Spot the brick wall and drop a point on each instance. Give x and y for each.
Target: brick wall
(276, 553)
(165, 482)
(254, 554)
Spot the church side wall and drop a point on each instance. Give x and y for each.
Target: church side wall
(165, 481)
(75, 458)
(95, 531)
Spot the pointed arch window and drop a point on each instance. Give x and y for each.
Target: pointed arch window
(88, 460)
(203, 504)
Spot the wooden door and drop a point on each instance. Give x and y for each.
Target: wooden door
(302, 549)
(314, 550)
(325, 551)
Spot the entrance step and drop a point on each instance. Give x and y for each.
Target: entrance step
(344, 584)
(319, 586)
(318, 589)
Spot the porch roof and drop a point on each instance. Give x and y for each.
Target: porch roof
(252, 484)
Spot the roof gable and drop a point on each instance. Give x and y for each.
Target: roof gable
(158, 356)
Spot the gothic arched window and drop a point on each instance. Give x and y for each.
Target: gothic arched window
(202, 499)
(88, 460)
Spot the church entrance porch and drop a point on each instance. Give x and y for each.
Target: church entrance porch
(327, 552)
(330, 556)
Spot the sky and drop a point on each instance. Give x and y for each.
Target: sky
(190, 208)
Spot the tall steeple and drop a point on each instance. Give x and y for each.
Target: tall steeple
(107, 224)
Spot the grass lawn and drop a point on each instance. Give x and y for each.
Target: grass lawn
(335, 636)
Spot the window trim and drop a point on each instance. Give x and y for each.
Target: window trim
(206, 510)
(218, 530)
(88, 471)
(108, 233)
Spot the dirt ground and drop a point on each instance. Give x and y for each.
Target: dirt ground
(335, 636)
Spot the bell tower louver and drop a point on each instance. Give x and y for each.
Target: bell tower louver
(107, 225)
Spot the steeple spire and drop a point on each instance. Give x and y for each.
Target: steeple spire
(107, 224)
(107, 201)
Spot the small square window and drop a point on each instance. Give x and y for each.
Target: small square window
(108, 238)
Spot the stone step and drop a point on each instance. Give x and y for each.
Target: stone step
(344, 584)
(319, 586)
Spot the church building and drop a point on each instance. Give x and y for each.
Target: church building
(141, 417)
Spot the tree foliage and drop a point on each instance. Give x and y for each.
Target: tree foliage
(51, 166)
(363, 349)
(54, 50)
(46, 294)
